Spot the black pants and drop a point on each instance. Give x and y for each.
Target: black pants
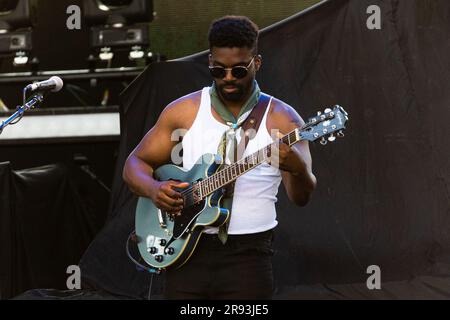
(240, 269)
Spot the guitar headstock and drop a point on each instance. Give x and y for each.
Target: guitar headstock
(325, 126)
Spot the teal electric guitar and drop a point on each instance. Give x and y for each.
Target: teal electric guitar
(165, 241)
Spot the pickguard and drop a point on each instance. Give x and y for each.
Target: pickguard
(187, 218)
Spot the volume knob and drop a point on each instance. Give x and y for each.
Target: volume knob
(162, 242)
(152, 250)
(159, 259)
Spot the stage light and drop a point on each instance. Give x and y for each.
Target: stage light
(107, 38)
(15, 41)
(16, 20)
(120, 37)
(20, 59)
(136, 53)
(119, 24)
(109, 5)
(106, 54)
(117, 12)
(15, 14)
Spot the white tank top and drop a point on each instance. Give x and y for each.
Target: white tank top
(256, 191)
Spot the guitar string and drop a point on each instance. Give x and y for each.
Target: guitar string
(250, 160)
(305, 127)
(245, 161)
(292, 134)
(240, 162)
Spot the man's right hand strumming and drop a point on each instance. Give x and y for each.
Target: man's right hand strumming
(166, 198)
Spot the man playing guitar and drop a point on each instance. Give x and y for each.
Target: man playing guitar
(238, 265)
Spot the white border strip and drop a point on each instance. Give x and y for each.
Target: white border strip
(63, 126)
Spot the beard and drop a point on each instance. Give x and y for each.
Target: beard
(239, 93)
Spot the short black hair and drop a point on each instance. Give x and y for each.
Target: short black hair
(233, 31)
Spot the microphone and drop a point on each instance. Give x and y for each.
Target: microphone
(54, 84)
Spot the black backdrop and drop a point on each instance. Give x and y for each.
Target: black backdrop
(383, 193)
(47, 219)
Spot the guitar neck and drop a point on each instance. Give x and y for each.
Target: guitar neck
(231, 172)
(322, 126)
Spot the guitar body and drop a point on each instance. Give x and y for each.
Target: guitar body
(164, 242)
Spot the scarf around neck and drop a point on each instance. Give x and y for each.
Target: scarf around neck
(226, 115)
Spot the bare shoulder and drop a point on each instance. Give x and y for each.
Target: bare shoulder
(181, 113)
(283, 117)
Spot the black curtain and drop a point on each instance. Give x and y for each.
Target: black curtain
(383, 191)
(45, 226)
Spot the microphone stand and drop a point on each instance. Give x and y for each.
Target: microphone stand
(37, 99)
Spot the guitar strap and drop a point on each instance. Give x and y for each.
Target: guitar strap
(249, 126)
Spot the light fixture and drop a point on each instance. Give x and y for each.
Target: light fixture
(136, 53)
(110, 12)
(120, 37)
(20, 59)
(118, 25)
(106, 54)
(111, 5)
(12, 42)
(15, 14)
(16, 20)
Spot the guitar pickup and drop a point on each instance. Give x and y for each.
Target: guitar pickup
(162, 219)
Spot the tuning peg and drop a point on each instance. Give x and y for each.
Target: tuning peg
(319, 113)
(328, 110)
(341, 134)
(323, 141)
(332, 138)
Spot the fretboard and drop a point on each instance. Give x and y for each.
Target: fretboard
(231, 172)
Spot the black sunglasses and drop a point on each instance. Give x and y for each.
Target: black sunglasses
(237, 72)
